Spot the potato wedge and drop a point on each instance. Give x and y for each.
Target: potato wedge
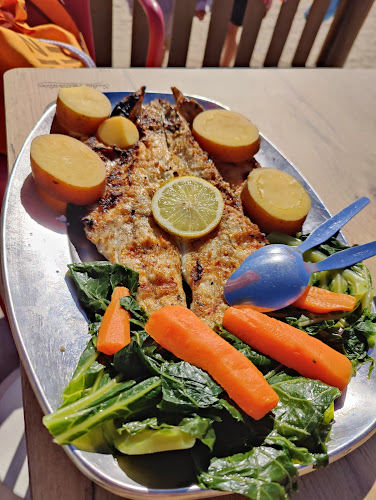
(226, 135)
(82, 109)
(275, 200)
(118, 131)
(67, 169)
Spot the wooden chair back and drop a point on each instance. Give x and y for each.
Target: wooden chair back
(343, 31)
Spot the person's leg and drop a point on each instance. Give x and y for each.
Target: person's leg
(230, 44)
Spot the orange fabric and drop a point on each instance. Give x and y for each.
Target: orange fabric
(20, 47)
(56, 12)
(15, 8)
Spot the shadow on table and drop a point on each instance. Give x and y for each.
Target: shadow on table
(9, 360)
(14, 480)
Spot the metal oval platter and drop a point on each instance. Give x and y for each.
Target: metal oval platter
(51, 332)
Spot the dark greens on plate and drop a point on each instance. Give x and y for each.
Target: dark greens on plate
(136, 401)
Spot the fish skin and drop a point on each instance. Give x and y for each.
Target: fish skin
(187, 108)
(122, 227)
(130, 107)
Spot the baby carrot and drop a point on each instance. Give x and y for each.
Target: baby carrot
(320, 300)
(181, 332)
(290, 346)
(114, 331)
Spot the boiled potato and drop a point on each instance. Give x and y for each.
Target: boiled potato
(226, 135)
(82, 109)
(57, 128)
(54, 204)
(275, 200)
(118, 131)
(67, 169)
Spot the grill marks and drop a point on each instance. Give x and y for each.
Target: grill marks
(219, 255)
(197, 271)
(122, 227)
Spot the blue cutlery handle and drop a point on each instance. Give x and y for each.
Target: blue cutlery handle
(347, 257)
(333, 225)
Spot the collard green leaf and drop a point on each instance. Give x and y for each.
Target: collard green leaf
(299, 415)
(134, 362)
(95, 282)
(310, 323)
(356, 347)
(261, 474)
(90, 386)
(93, 328)
(124, 276)
(138, 314)
(367, 325)
(94, 441)
(196, 426)
(333, 245)
(232, 410)
(59, 420)
(128, 403)
(88, 371)
(200, 428)
(187, 388)
(299, 454)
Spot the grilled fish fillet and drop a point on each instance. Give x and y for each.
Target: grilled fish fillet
(208, 262)
(122, 227)
(121, 224)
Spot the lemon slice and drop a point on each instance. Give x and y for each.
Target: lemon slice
(187, 206)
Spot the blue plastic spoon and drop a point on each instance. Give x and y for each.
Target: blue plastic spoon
(274, 276)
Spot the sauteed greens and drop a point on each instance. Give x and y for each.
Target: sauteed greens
(144, 400)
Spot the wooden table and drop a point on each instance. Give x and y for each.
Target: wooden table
(322, 120)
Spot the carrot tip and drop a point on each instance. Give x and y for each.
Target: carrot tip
(114, 330)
